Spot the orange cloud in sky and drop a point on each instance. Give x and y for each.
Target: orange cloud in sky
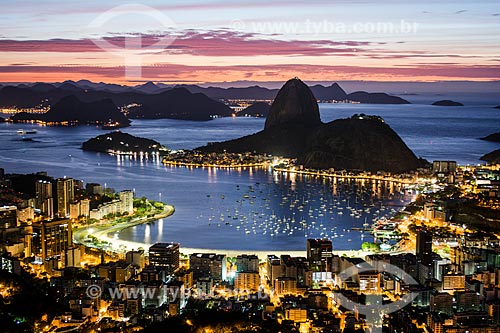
(221, 55)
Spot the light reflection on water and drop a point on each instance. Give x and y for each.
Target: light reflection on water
(432, 132)
(274, 211)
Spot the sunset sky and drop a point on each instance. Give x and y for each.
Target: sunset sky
(227, 40)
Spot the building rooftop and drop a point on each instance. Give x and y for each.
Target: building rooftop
(211, 256)
(247, 256)
(319, 241)
(161, 246)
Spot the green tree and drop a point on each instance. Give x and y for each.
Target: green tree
(373, 247)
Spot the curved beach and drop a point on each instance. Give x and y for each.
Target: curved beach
(101, 231)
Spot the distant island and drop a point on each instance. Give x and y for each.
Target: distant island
(375, 98)
(447, 102)
(294, 129)
(258, 109)
(122, 143)
(497, 107)
(495, 137)
(492, 157)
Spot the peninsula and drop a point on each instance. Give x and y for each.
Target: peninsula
(491, 157)
(294, 129)
(495, 137)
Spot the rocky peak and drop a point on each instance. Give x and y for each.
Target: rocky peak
(294, 104)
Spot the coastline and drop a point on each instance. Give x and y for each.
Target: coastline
(262, 254)
(208, 165)
(100, 231)
(324, 173)
(293, 170)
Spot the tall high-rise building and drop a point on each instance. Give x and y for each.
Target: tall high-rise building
(208, 265)
(8, 217)
(43, 190)
(288, 267)
(72, 257)
(127, 201)
(47, 208)
(249, 281)
(51, 239)
(44, 198)
(273, 267)
(319, 254)
(93, 188)
(424, 247)
(85, 207)
(65, 195)
(74, 210)
(136, 258)
(441, 303)
(247, 263)
(444, 166)
(165, 255)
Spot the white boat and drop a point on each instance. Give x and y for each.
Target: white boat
(21, 131)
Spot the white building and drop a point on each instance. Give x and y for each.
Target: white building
(123, 205)
(127, 201)
(85, 207)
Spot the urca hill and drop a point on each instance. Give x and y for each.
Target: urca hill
(294, 129)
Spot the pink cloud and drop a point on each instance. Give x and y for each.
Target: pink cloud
(211, 43)
(420, 54)
(208, 73)
(50, 45)
(228, 43)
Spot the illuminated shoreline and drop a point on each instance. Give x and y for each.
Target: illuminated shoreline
(101, 231)
(323, 173)
(219, 166)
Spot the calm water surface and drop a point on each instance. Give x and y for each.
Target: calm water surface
(250, 209)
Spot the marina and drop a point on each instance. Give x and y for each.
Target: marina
(299, 212)
(286, 209)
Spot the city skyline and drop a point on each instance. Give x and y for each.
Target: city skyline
(217, 41)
